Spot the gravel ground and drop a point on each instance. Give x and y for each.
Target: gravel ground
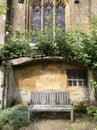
(60, 122)
(59, 125)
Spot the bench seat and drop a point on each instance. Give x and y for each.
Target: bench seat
(50, 108)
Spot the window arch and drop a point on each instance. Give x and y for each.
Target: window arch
(38, 11)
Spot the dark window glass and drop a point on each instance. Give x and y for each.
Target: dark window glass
(85, 75)
(84, 83)
(69, 74)
(77, 77)
(70, 83)
(80, 83)
(60, 16)
(36, 17)
(74, 83)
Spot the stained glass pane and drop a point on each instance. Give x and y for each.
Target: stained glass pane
(60, 16)
(48, 12)
(36, 17)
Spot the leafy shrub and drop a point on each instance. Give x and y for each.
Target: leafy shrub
(16, 116)
(81, 108)
(14, 50)
(92, 110)
(63, 47)
(45, 43)
(3, 9)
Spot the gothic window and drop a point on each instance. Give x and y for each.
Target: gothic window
(43, 10)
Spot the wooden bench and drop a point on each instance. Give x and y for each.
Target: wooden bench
(50, 101)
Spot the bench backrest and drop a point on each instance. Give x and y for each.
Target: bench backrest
(50, 98)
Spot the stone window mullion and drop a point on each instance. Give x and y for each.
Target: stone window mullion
(54, 17)
(42, 15)
(30, 20)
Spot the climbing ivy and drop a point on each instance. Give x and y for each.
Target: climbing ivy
(3, 9)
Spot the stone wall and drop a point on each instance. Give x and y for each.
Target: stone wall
(77, 14)
(2, 39)
(18, 15)
(2, 23)
(93, 4)
(81, 13)
(1, 82)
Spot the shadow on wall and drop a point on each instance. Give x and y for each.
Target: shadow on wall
(14, 96)
(1, 82)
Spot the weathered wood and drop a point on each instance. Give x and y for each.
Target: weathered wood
(45, 101)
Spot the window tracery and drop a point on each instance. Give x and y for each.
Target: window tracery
(40, 10)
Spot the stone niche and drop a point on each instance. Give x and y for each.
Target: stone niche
(47, 74)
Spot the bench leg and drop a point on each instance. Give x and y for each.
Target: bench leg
(72, 116)
(29, 115)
